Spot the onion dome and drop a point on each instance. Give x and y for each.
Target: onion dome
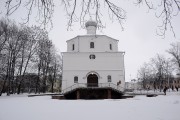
(91, 27)
(91, 23)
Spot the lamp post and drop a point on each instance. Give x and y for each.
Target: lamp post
(139, 84)
(133, 81)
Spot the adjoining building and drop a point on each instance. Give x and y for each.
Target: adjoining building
(92, 66)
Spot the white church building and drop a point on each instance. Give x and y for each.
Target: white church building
(93, 62)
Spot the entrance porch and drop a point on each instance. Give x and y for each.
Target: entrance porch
(98, 91)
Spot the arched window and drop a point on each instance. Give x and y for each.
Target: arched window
(76, 79)
(91, 44)
(110, 46)
(92, 56)
(73, 47)
(109, 78)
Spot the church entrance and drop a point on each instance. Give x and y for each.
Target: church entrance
(92, 80)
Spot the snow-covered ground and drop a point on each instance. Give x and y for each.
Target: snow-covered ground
(44, 108)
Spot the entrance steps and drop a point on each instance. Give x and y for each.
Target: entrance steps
(100, 91)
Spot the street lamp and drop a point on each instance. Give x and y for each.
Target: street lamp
(133, 81)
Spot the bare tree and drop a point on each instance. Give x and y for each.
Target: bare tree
(144, 74)
(37, 35)
(159, 62)
(55, 68)
(3, 39)
(92, 9)
(24, 47)
(40, 57)
(29, 47)
(168, 72)
(166, 10)
(44, 9)
(89, 8)
(11, 51)
(174, 51)
(157, 72)
(82, 10)
(3, 33)
(44, 58)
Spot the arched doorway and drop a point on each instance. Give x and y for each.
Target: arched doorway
(92, 80)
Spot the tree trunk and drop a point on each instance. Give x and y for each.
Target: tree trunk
(19, 88)
(2, 90)
(52, 90)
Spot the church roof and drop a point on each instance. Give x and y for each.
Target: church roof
(79, 36)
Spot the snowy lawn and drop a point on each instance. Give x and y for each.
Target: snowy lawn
(44, 108)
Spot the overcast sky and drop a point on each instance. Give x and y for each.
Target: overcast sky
(139, 39)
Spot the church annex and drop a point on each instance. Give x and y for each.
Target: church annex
(93, 68)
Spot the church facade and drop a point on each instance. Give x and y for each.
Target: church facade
(93, 61)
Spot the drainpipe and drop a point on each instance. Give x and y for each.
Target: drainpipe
(123, 69)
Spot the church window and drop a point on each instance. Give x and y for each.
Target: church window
(92, 56)
(109, 78)
(72, 46)
(76, 79)
(91, 44)
(110, 46)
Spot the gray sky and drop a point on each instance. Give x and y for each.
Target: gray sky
(139, 39)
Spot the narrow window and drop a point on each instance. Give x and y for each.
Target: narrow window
(109, 78)
(76, 79)
(72, 46)
(110, 46)
(91, 44)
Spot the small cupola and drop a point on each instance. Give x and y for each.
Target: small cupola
(91, 27)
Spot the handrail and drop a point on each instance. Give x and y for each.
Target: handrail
(93, 85)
